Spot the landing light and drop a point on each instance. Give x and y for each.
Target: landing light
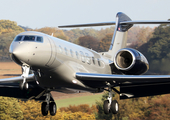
(74, 81)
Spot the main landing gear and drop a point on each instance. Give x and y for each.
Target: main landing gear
(48, 106)
(110, 105)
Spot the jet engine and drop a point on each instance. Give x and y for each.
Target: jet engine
(131, 62)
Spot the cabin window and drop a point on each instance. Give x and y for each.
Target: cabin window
(82, 56)
(18, 38)
(77, 55)
(60, 49)
(66, 51)
(99, 62)
(39, 39)
(93, 59)
(71, 52)
(29, 38)
(88, 58)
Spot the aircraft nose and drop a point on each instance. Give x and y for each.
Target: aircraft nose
(19, 53)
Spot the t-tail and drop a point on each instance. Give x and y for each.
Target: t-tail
(122, 24)
(119, 38)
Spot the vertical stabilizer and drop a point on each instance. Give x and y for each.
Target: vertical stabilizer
(120, 34)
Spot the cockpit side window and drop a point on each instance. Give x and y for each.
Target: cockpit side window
(39, 39)
(18, 38)
(29, 38)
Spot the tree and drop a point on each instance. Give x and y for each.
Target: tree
(142, 36)
(159, 109)
(105, 43)
(89, 42)
(7, 26)
(8, 31)
(157, 50)
(52, 30)
(10, 109)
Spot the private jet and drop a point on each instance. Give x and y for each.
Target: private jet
(51, 64)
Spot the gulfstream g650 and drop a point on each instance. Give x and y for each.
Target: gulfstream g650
(51, 64)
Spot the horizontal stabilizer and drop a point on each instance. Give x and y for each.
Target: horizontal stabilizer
(88, 25)
(145, 22)
(113, 23)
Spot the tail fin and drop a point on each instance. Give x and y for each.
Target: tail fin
(120, 34)
(123, 23)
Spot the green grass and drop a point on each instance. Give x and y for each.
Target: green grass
(91, 99)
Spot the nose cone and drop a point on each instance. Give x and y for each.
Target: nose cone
(19, 53)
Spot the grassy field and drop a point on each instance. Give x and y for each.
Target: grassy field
(90, 99)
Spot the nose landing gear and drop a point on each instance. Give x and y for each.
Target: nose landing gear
(25, 72)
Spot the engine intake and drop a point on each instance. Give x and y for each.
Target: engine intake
(131, 62)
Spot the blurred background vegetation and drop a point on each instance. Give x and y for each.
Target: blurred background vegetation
(154, 43)
(146, 108)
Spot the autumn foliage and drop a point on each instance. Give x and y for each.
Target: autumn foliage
(85, 108)
(148, 108)
(32, 110)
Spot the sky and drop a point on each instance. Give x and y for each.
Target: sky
(52, 13)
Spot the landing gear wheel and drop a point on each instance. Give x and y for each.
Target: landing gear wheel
(44, 108)
(21, 86)
(106, 107)
(24, 86)
(114, 107)
(53, 108)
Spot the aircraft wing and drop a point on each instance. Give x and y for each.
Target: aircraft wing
(131, 86)
(10, 87)
(30, 77)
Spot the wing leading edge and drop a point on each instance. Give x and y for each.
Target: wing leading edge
(10, 87)
(131, 86)
(122, 79)
(31, 77)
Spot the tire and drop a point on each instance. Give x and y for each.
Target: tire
(114, 107)
(21, 86)
(53, 108)
(44, 108)
(26, 86)
(106, 107)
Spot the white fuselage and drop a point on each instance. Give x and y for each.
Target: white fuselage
(57, 60)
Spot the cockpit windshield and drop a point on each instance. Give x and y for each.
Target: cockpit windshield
(29, 38)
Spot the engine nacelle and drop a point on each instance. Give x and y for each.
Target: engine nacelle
(131, 62)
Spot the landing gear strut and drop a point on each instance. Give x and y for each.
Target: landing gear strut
(25, 72)
(110, 105)
(48, 106)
